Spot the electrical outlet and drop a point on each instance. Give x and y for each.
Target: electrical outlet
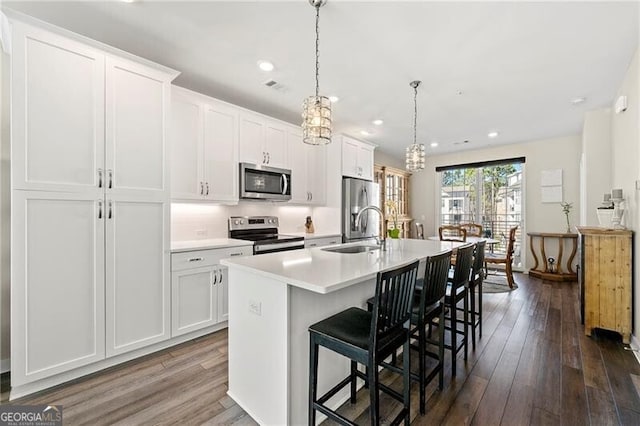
(255, 307)
(201, 232)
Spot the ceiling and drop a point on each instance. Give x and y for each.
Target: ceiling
(510, 67)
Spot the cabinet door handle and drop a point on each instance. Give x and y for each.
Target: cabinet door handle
(219, 276)
(196, 259)
(264, 157)
(99, 178)
(313, 244)
(214, 275)
(110, 173)
(110, 210)
(201, 188)
(207, 188)
(268, 158)
(99, 209)
(311, 194)
(236, 254)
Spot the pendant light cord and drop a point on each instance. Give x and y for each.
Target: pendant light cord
(415, 112)
(317, 50)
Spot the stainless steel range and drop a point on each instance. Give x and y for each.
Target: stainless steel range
(263, 231)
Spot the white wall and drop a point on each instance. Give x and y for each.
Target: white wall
(557, 153)
(5, 276)
(382, 158)
(596, 148)
(625, 166)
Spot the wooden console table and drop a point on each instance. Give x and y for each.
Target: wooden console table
(544, 272)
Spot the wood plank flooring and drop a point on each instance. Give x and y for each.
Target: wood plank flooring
(533, 366)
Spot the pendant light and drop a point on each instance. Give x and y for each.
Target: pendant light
(415, 159)
(316, 113)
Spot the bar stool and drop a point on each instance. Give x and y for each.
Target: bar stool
(367, 338)
(475, 283)
(458, 290)
(428, 304)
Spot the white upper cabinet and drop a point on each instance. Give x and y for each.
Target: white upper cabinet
(204, 145)
(85, 120)
(220, 152)
(135, 126)
(357, 158)
(57, 109)
(187, 133)
(262, 140)
(308, 170)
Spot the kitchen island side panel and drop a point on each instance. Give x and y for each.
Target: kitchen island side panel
(306, 308)
(258, 346)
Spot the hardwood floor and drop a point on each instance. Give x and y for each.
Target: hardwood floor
(533, 365)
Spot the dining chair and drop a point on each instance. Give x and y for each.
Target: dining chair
(473, 229)
(452, 233)
(506, 258)
(367, 338)
(419, 231)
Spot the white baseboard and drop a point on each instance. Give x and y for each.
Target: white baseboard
(635, 346)
(5, 365)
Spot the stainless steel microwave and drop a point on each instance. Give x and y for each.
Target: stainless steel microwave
(258, 182)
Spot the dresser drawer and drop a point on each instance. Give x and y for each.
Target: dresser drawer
(200, 258)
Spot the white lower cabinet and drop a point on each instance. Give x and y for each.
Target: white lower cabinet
(92, 276)
(199, 288)
(138, 273)
(58, 244)
(322, 241)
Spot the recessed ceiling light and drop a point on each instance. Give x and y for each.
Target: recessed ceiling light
(334, 99)
(378, 122)
(364, 133)
(493, 135)
(434, 144)
(265, 66)
(128, 1)
(578, 101)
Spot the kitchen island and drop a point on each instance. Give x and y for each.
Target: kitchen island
(273, 299)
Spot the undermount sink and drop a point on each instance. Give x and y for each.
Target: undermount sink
(351, 249)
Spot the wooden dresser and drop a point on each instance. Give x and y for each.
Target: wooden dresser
(605, 279)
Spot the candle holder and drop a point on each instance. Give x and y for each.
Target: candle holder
(618, 213)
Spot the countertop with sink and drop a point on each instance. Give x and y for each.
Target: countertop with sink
(325, 270)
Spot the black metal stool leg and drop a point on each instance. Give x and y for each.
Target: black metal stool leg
(406, 366)
(313, 379)
(354, 366)
(454, 339)
(465, 330)
(472, 311)
(374, 398)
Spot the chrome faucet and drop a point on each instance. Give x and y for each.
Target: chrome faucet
(382, 243)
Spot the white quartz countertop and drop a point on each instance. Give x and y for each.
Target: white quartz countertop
(212, 243)
(323, 271)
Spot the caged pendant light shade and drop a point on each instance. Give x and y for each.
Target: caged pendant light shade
(415, 155)
(316, 110)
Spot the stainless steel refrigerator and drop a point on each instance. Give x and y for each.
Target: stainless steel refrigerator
(357, 194)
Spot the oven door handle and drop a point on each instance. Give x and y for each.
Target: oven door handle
(284, 184)
(279, 247)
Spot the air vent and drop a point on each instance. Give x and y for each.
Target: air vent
(275, 85)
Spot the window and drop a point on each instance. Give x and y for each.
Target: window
(489, 194)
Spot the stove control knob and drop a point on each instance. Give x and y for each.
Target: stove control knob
(235, 222)
(241, 222)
